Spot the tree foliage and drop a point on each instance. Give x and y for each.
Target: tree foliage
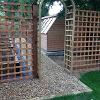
(80, 4)
(88, 4)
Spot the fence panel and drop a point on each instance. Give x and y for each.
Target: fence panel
(18, 41)
(83, 43)
(87, 40)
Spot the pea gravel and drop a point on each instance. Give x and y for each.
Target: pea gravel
(54, 81)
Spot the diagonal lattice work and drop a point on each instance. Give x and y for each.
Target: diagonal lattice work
(18, 46)
(83, 40)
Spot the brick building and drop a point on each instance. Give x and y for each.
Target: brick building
(52, 35)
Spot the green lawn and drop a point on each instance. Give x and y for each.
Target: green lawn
(91, 79)
(84, 96)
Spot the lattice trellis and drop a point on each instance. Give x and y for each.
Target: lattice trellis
(87, 40)
(83, 47)
(18, 46)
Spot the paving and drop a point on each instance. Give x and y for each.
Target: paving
(54, 81)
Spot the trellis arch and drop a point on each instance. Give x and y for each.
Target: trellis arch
(82, 38)
(67, 10)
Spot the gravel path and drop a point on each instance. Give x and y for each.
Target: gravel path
(54, 81)
(59, 60)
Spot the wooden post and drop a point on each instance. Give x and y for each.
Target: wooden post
(34, 39)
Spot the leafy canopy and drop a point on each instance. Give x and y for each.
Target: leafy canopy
(80, 4)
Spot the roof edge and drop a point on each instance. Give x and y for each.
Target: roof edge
(50, 16)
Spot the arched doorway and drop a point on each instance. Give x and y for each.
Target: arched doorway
(81, 51)
(69, 27)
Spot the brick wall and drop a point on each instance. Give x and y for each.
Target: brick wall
(55, 36)
(44, 41)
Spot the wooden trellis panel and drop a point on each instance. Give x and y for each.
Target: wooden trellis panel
(86, 41)
(18, 41)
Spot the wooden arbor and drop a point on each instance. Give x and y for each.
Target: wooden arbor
(82, 38)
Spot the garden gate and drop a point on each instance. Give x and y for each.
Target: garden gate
(18, 41)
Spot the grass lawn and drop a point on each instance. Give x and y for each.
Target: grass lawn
(84, 96)
(91, 79)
